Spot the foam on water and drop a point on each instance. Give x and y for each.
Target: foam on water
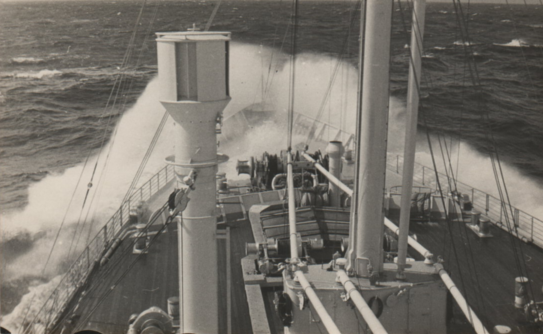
(475, 170)
(27, 60)
(34, 75)
(515, 43)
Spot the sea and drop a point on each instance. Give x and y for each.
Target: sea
(78, 103)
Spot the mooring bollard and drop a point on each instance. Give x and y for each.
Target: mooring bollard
(521, 292)
(141, 235)
(173, 307)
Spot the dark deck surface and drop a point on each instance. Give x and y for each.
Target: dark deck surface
(484, 269)
(130, 284)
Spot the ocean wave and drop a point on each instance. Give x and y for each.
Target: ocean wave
(467, 43)
(515, 43)
(76, 21)
(35, 75)
(30, 304)
(27, 60)
(16, 245)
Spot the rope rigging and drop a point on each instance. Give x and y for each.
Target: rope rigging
(292, 74)
(119, 86)
(495, 158)
(341, 55)
(104, 170)
(424, 119)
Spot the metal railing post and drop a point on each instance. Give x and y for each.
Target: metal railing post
(532, 229)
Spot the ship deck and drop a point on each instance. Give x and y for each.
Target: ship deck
(130, 283)
(483, 268)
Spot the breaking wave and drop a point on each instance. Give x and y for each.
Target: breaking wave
(27, 60)
(33, 75)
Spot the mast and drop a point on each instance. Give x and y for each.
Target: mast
(417, 33)
(373, 136)
(193, 75)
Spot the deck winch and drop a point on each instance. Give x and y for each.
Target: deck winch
(273, 252)
(269, 172)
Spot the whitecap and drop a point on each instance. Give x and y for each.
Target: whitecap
(439, 48)
(467, 43)
(27, 60)
(515, 43)
(37, 75)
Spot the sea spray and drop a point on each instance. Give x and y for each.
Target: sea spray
(29, 306)
(475, 169)
(49, 199)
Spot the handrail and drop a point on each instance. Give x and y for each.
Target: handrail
(79, 271)
(528, 227)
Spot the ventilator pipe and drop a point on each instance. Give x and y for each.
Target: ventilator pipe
(369, 317)
(294, 257)
(327, 321)
(461, 301)
(428, 256)
(335, 151)
(334, 180)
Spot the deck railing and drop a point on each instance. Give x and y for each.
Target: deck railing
(529, 228)
(79, 271)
